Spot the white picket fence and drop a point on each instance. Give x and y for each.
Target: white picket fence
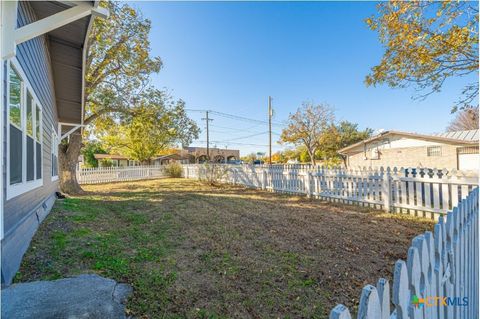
(118, 174)
(439, 265)
(441, 268)
(418, 191)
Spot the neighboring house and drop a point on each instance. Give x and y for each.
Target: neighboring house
(184, 156)
(452, 150)
(219, 155)
(166, 159)
(42, 59)
(107, 160)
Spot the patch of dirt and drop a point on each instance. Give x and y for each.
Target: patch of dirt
(246, 253)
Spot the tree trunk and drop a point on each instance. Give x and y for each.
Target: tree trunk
(68, 158)
(312, 156)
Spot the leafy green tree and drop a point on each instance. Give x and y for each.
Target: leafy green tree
(337, 137)
(156, 123)
(350, 134)
(427, 42)
(306, 126)
(304, 156)
(89, 150)
(118, 67)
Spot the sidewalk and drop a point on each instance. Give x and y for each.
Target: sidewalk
(84, 296)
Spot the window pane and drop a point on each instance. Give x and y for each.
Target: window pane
(54, 165)
(434, 151)
(39, 160)
(15, 98)
(30, 159)
(15, 155)
(38, 122)
(29, 114)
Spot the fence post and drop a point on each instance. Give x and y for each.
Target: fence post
(308, 186)
(386, 190)
(264, 179)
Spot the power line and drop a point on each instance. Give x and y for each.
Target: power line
(241, 118)
(243, 137)
(238, 143)
(235, 117)
(237, 129)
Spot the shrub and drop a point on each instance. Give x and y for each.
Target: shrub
(214, 173)
(174, 170)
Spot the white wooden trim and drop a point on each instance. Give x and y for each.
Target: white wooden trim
(70, 132)
(13, 37)
(25, 186)
(9, 23)
(57, 20)
(55, 141)
(3, 21)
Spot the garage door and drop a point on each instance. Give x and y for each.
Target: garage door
(468, 158)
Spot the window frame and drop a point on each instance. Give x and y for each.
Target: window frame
(14, 190)
(434, 151)
(55, 140)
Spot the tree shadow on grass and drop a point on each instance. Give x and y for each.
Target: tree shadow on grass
(199, 250)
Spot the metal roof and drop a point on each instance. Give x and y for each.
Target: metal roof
(470, 138)
(471, 135)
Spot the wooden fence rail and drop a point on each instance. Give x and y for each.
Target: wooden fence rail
(439, 280)
(118, 174)
(421, 192)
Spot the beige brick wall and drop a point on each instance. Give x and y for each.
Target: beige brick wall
(407, 157)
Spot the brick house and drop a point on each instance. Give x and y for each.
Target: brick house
(451, 150)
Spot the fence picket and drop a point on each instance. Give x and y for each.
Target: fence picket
(119, 174)
(442, 263)
(418, 191)
(369, 307)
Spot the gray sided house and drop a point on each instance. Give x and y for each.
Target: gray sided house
(42, 71)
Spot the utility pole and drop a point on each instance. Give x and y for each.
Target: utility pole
(208, 135)
(270, 129)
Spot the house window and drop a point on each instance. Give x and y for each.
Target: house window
(24, 163)
(434, 151)
(38, 141)
(16, 125)
(55, 142)
(30, 142)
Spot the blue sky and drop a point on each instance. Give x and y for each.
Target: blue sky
(230, 56)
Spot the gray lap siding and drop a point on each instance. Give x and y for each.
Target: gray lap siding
(23, 213)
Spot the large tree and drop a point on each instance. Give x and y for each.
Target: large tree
(306, 126)
(118, 67)
(89, 150)
(157, 123)
(465, 120)
(427, 42)
(337, 137)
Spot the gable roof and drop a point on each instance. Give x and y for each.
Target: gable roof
(460, 137)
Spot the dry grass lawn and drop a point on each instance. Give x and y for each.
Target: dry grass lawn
(192, 250)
